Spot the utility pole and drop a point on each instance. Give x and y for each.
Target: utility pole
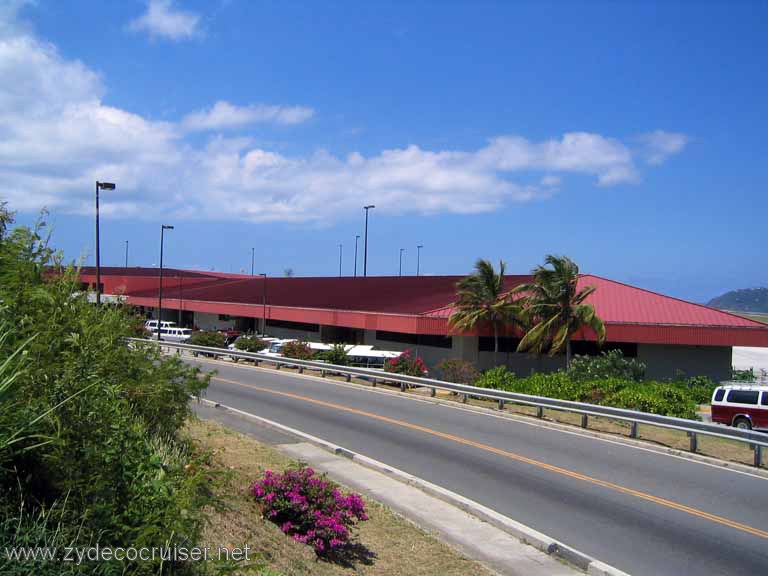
(418, 259)
(365, 243)
(340, 252)
(357, 237)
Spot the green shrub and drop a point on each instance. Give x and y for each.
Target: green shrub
(336, 355)
(298, 350)
(457, 370)
(210, 339)
(610, 364)
(666, 398)
(99, 419)
(743, 375)
(250, 343)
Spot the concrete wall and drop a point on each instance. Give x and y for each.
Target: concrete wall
(207, 321)
(663, 360)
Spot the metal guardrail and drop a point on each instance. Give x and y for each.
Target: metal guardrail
(693, 428)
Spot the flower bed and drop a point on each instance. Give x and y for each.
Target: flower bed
(309, 508)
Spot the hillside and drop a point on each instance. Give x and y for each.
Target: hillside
(743, 300)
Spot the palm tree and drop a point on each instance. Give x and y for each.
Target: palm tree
(555, 307)
(481, 299)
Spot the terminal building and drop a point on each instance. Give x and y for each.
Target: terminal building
(671, 336)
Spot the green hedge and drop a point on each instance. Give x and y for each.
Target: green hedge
(666, 398)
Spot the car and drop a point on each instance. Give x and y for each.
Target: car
(743, 406)
(174, 334)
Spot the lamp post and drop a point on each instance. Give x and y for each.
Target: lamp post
(99, 186)
(357, 237)
(163, 228)
(401, 261)
(181, 302)
(253, 256)
(418, 258)
(126, 253)
(264, 304)
(365, 242)
(340, 252)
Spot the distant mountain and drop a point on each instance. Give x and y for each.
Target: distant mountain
(743, 300)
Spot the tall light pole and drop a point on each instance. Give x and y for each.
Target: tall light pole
(253, 256)
(365, 242)
(418, 258)
(126, 253)
(99, 186)
(401, 261)
(341, 248)
(163, 228)
(264, 304)
(357, 237)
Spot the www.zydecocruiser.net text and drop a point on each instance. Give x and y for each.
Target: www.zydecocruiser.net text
(97, 553)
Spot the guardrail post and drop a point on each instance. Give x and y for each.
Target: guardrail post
(433, 392)
(539, 411)
(373, 382)
(277, 366)
(349, 377)
(322, 373)
(584, 420)
(694, 441)
(633, 430)
(758, 455)
(464, 398)
(301, 369)
(256, 362)
(501, 404)
(402, 386)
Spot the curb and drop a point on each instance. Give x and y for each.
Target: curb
(524, 533)
(569, 428)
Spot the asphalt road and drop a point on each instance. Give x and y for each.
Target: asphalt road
(638, 510)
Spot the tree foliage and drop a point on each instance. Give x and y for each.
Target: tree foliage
(481, 299)
(94, 422)
(555, 308)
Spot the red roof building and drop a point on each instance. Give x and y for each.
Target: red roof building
(410, 311)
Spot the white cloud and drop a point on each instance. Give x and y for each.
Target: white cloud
(163, 19)
(660, 145)
(57, 136)
(224, 115)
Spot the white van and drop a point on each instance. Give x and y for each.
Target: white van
(151, 325)
(174, 334)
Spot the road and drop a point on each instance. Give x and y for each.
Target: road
(639, 510)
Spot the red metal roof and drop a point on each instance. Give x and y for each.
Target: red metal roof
(423, 304)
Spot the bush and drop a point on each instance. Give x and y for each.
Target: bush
(666, 398)
(250, 343)
(743, 375)
(99, 420)
(406, 364)
(336, 355)
(610, 364)
(310, 509)
(298, 350)
(459, 371)
(210, 339)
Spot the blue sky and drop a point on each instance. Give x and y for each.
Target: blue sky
(629, 137)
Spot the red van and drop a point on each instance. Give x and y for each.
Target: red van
(741, 406)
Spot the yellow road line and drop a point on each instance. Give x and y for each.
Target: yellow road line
(512, 456)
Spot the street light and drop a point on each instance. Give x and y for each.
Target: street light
(99, 186)
(163, 228)
(401, 261)
(418, 258)
(357, 237)
(340, 252)
(365, 243)
(264, 304)
(126, 253)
